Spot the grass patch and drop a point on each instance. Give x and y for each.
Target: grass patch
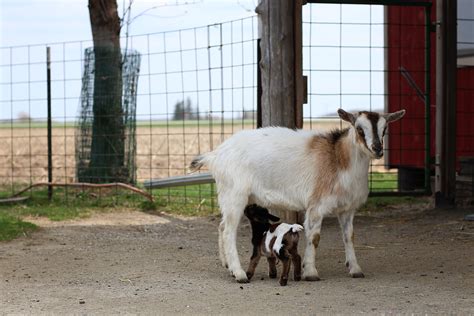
(193, 200)
(12, 227)
(382, 182)
(377, 203)
(70, 203)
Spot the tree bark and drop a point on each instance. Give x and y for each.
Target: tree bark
(108, 130)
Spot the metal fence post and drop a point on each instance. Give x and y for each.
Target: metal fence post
(428, 100)
(50, 143)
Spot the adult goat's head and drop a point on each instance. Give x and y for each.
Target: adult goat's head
(370, 128)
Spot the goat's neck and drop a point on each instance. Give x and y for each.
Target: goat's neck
(360, 160)
(258, 231)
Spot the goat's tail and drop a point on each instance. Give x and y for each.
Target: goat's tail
(198, 162)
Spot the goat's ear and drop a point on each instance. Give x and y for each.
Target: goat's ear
(395, 116)
(346, 116)
(273, 218)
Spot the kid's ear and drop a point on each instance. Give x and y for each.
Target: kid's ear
(395, 116)
(346, 116)
(273, 218)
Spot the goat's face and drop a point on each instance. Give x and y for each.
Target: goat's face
(370, 129)
(259, 214)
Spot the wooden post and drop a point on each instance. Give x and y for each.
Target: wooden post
(280, 25)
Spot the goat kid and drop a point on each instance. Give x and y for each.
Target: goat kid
(275, 241)
(278, 168)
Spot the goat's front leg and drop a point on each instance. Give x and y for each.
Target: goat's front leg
(345, 220)
(253, 262)
(312, 226)
(285, 259)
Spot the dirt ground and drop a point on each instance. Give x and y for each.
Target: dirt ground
(415, 261)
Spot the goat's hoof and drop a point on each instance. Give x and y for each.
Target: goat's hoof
(243, 280)
(311, 278)
(298, 278)
(272, 275)
(249, 275)
(357, 275)
(241, 276)
(283, 282)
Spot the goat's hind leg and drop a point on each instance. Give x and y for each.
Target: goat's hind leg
(296, 259)
(286, 260)
(231, 215)
(345, 220)
(272, 273)
(221, 246)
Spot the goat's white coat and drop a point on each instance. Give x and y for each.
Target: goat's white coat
(275, 168)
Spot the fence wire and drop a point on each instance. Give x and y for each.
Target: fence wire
(362, 57)
(198, 86)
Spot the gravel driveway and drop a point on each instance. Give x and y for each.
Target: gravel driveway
(130, 262)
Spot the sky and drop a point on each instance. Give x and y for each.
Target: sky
(28, 22)
(220, 58)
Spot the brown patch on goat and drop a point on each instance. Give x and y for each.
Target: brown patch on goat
(270, 246)
(333, 155)
(316, 239)
(273, 227)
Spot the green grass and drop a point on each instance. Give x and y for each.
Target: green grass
(196, 200)
(193, 200)
(378, 203)
(380, 182)
(71, 203)
(12, 227)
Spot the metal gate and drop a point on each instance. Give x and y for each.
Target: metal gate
(375, 55)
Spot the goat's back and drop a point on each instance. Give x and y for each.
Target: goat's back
(266, 164)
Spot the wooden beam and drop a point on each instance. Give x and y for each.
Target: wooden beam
(281, 67)
(277, 63)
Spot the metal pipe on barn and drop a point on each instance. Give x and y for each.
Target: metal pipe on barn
(446, 87)
(282, 82)
(50, 143)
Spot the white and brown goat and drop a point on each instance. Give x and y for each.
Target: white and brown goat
(278, 168)
(274, 241)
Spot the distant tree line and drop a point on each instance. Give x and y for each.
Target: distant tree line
(184, 110)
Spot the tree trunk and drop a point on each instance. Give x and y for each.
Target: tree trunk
(108, 129)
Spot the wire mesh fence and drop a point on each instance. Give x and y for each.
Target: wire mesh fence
(373, 57)
(198, 86)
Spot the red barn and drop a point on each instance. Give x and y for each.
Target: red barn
(405, 61)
